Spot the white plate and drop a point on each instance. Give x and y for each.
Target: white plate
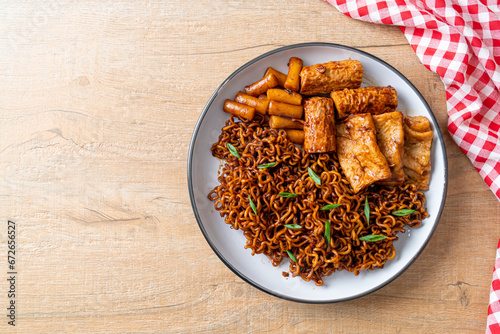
(229, 244)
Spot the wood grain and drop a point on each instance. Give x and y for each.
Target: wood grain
(99, 101)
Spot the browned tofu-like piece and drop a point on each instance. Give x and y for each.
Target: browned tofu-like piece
(417, 154)
(390, 140)
(319, 125)
(359, 155)
(327, 77)
(420, 180)
(373, 100)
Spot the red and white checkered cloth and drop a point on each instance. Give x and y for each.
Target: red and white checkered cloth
(493, 323)
(460, 41)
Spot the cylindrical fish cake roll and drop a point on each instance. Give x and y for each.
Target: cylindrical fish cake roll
(319, 125)
(373, 100)
(327, 77)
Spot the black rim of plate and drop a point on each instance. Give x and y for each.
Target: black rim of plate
(190, 165)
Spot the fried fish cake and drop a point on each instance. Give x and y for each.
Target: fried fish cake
(390, 140)
(319, 125)
(359, 155)
(371, 99)
(327, 77)
(417, 154)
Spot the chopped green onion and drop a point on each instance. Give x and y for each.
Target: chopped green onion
(330, 206)
(252, 205)
(271, 164)
(367, 211)
(290, 254)
(373, 237)
(403, 212)
(233, 151)
(293, 226)
(287, 195)
(327, 233)
(314, 176)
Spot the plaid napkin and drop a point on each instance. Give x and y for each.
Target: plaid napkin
(494, 307)
(460, 41)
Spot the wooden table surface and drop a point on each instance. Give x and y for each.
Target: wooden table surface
(99, 100)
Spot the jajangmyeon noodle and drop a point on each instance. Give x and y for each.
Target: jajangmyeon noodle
(241, 181)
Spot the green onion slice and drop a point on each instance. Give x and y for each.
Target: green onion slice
(373, 237)
(233, 151)
(271, 164)
(287, 195)
(327, 233)
(403, 212)
(367, 211)
(252, 205)
(293, 226)
(290, 254)
(314, 176)
(330, 206)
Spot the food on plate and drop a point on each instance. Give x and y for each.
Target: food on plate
(252, 101)
(327, 77)
(358, 152)
(417, 155)
(262, 85)
(295, 136)
(319, 125)
(285, 96)
(323, 192)
(277, 122)
(280, 76)
(390, 140)
(286, 110)
(238, 109)
(293, 77)
(373, 100)
(290, 212)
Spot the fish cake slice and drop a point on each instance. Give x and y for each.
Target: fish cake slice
(417, 154)
(373, 100)
(327, 77)
(359, 155)
(390, 140)
(319, 125)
